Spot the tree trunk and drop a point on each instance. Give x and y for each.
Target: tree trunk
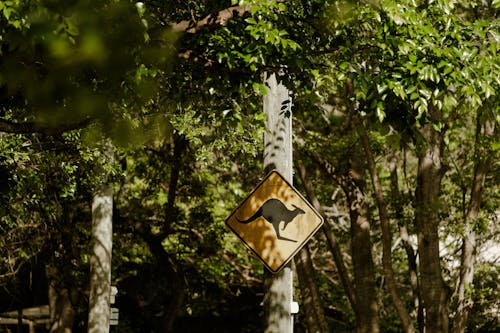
(314, 314)
(367, 319)
(405, 240)
(435, 293)
(481, 167)
(20, 318)
(169, 270)
(332, 241)
(413, 273)
(61, 300)
(362, 296)
(386, 235)
(62, 313)
(100, 261)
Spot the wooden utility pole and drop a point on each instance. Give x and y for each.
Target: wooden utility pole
(277, 105)
(100, 261)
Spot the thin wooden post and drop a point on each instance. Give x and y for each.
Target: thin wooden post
(277, 105)
(100, 261)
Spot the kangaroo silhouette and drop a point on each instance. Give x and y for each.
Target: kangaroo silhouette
(274, 211)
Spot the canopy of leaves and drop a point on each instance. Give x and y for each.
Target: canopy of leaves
(176, 87)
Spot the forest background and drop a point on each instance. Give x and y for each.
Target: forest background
(395, 115)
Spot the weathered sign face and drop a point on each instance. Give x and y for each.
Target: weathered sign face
(274, 221)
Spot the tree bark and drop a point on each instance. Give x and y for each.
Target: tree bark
(314, 314)
(20, 319)
(435, 293)
(170, 271)
(408, 247)
(413, 274)
(386, 234)
(338, 258)
(332, 241)
(62, 313)
(168, 267)
(61, 300)
(100, 261)
(482, 158)
(367, 319)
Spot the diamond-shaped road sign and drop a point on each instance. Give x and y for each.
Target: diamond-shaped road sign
(275, 221)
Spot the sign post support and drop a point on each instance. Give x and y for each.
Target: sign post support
(275, 221)
(277, 104)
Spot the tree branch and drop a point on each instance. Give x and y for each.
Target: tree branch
(220, 18)
(29, 127)
(386, 233)
(482, 166)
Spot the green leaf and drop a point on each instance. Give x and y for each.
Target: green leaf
(344, 65)
(426, 93)
(438, 126)
(380, 111)
(259, 88)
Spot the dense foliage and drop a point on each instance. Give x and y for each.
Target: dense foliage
(396, 115)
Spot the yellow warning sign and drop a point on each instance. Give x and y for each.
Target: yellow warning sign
(275, 221)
